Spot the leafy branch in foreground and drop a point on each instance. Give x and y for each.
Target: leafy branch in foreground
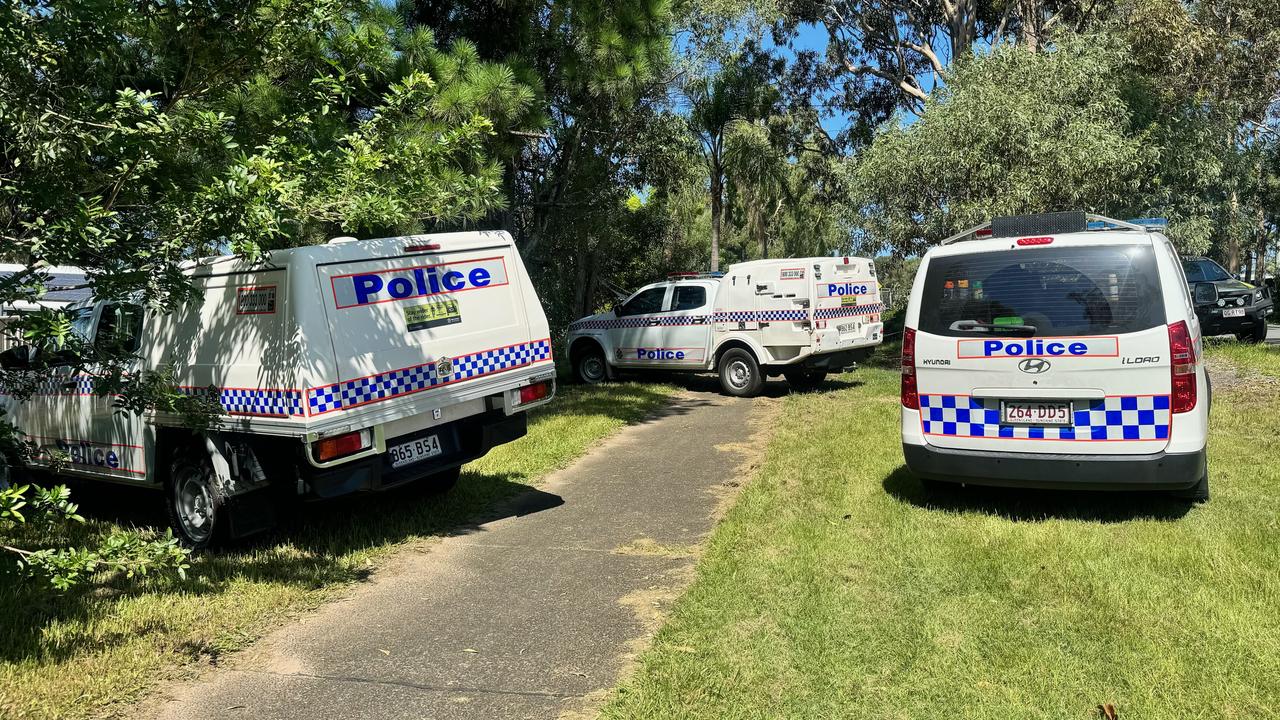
(122, 552)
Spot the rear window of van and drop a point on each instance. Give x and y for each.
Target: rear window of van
(1062, 291)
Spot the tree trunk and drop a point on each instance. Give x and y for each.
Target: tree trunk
(1231, 243)
(717, 209)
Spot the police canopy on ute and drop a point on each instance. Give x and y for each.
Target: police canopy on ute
(800, 318)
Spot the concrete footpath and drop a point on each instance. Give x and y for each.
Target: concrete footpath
(531, 616)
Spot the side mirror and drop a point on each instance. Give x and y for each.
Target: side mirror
(1206, 293)
(18, 358)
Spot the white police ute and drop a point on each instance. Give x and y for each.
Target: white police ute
(344, 367)
(1059, 351)
(799, 318)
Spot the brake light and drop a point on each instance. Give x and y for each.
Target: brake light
(1024, 242)
(984, 232)
(332, 448)
(1182, 367)
(536, 391)
(422, 248)
(910, 393)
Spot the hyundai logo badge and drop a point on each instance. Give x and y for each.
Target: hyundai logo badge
(1035, 366)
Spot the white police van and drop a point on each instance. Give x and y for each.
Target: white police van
(1057, 350)
(800, 318)
(350, 366)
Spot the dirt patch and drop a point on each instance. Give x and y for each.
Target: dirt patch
(1228, 376)
(762, 420)
(648, 547)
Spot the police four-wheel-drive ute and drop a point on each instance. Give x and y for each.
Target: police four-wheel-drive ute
(350, 366)
(1059, 351)
(800, 318)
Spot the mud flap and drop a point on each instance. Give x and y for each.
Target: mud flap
(251, 513)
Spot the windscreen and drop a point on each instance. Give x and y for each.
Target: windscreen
(1046, 292)
(1204, 270)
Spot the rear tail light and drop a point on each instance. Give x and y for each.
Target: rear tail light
(332, 448)
(1182, 368)
(534, 392)
(910, 394)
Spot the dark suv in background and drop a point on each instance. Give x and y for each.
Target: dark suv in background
(1224, 304)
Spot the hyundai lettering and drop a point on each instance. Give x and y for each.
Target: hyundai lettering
(1058, 351)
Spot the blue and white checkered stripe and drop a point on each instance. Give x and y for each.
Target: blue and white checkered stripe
(1140, 417)
(847, 311)
(251, 401)
(57, 385)
(760, 315)
(387, 385)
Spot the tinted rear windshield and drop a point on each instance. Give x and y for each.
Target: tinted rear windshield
(1095, 290)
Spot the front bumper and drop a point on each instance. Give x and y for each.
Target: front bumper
(461, 442)
(1213, 323)
(1160, 471)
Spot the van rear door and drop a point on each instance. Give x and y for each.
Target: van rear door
(1060, 347)
(407, 316)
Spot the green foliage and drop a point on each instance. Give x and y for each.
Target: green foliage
(135, 137)
(30, 512)
(1012, 133)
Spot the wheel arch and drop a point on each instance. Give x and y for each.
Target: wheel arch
(736, 342)
(582, 345)
(238, 459)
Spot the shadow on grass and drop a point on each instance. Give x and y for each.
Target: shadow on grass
(319, 545)
(710, 383)
(1025, 505)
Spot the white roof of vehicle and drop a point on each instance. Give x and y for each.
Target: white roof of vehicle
(1095, 237)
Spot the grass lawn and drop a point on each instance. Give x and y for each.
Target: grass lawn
(836, 588)
(75, 655)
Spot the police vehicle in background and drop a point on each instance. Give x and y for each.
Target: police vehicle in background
(1226, 305)
(1039, 352)
(799, 318)
(345, 367)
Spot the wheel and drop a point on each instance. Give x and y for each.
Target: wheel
(740, 373)
(1256, 335)
(589, 366)
(197, 511)
(1197, 493)
(802, 380)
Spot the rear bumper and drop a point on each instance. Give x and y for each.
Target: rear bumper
(836, 361)
(1160, 471)
(461, 442)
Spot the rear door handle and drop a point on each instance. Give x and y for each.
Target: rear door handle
(655, 321)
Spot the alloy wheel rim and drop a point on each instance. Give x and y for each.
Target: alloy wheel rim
(593, 368)
(194, 505)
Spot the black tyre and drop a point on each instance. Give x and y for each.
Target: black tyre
(197, 509)
(1197, 493)
(802, 380)
(740, 373)
(589, 366)
(1256, 335)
